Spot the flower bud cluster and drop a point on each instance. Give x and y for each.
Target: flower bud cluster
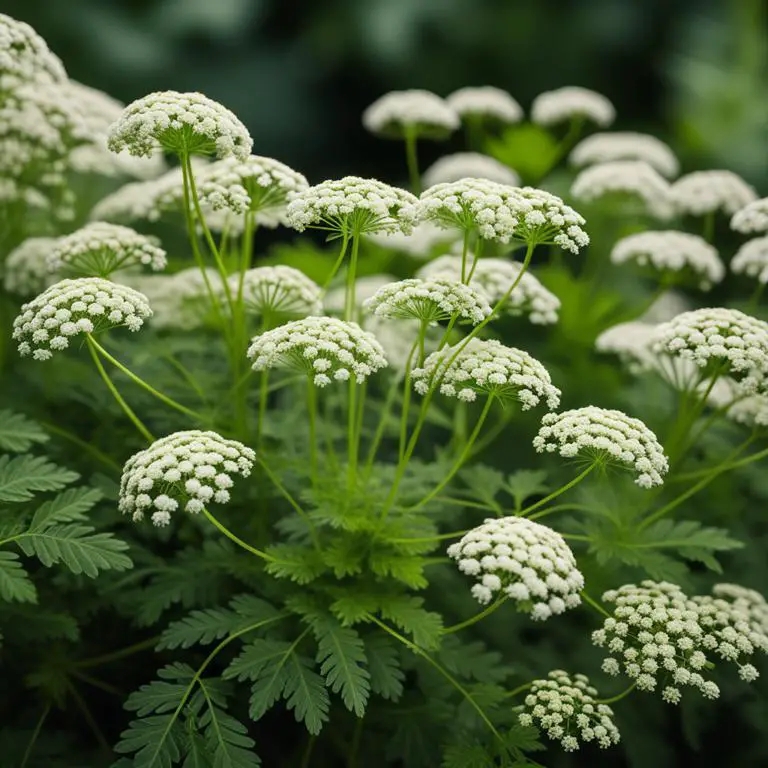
(752, 259)
(191, 468)
(703, 192)
(25, 57)
(605, 435)
(566, 709)
(572, 103)
(485, 103)
(752, 218)
(518, 559)
(610, 147)
(25, 271)
(424, 113)
(465, 165)
(278, 291)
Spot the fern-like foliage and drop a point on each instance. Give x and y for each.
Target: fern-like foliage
(22, 476)
(18, 433)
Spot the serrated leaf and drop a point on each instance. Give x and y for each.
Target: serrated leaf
(408, 613)
(485, 482)
(21, 476)
(467, 756)
(472, 660)
(69, 506)
(408, 569)
(18, 433)
(306, 695)
(301, 565)
(14, 581)
(157, 741)
(162, 695)
(523, 737)
(524, 483)
(386, 676)
(226, 738)
(353, 608)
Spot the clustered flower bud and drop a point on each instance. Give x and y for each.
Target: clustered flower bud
(429, 301)
(487, 367)
(606, 436)
(25, 272)
(752, 259)
(70, 307)
(749, 410)
(465, 165)
(278, 292)
(521, 560)
(190, 468)
(422, 113)
(752, 218)
(567, 710)
(24, 55)
(703, 192)
(610, 147)
(572, 103)
(325, 348)
(485, 103)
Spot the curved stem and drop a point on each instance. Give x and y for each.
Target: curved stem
(412, 161)
(464, 251)
(351, 441)
(559, 491)
(337, 264)
(240, 543)
(137, 422)
(35, 736)
(312, 410)
(618, 697)
(732, 455)
(82, 444)
(350, 305)
(406, 401)
(477, 617)
(594, 604)
(475, 260)
(89, 718)
(515, 691)
(122, 653)
(429, 539)
(560, 508)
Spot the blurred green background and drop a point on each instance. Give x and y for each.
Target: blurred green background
(694, 72)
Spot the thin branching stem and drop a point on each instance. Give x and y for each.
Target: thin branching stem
(477, 617)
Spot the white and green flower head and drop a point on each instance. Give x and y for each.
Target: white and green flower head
(25, 56)
(752, 259)
(566, 708)
(544, 219)
(627, 145)
(707, 192)
(524, 561)
(99, 249)
(607, 437)
(465, 165)
(326, 349)
(419, 113)
(259, 185)
(719, 340)
(71, 307)
(352, 207)
(185, 469)
(493, 278)
(278, 293)
(485, 104)
(365, 287)
(429, 301)
(571, 103)
(747, 600)
(746, 409)
(487, 368)
(752, 218)
(25, 271)
(675, 257)
(632, 185)
(179, 123)
(656, 638)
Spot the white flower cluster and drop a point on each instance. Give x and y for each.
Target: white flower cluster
(609, 147)
(521, 560)
(749, 410)
(494, 277)
(71, 307)
(628, 181)
(487, 367)
(657, 639)
(566, 709)
(192, 468)
(605, 435)
(325, 348)
(678, 256)
(278, 292)
(572, 103)
(429, 301)
(25, 57)
(181, 123)
(424, 113)
(753, 217)
(486, 103)
(546, 219)
(749, 601)
(466, 165)
(25, 271)
(734, 343)
(752, 259)
(703, 192)
(353, 206)
(258, 184)
(100, 249)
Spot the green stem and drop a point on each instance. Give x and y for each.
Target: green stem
(337, 264)
(350, 305)
(594, 604)
(412, 161)
(515, 691)
(754, 300)
(704, 472)
(351, 441)
(429, 539)
(560, 508)
(240, 543)
(558, 492)
(35, 735)
(382, 425)
(618, 697)
(137, 422)
(307, 756)
(89, 718)
(262, 412)
(406, 400)
(122, 653)
(82, 444)
(477, 617)
(475, 259)
(96, 683)
(464, 251)
(312, 410)
(354, 747)
(708, 232)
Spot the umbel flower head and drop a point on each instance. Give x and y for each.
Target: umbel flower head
(493, 278)
(99, 249)
(521, 560)
(753, 217)
(278, 292)
(485, 103)
(703, 192)
(325, 348)
(429, 301)
(487, 367)
(416, 112)
(25, 272)
(749, 601)
(180, 123)
(258, 184)
(608, 147)
(191, 468)
(70, 307)
(749, 410)
(24, 55)
(656, 638)
(752, 259)
(464, 165)
(353, 206)
(631, 183)
(607, 436)
(678, 257)
(566, 709)
(719, 339)
(572, 103)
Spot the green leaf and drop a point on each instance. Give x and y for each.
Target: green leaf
(69, 506)
(386, 676)
(21, 476)
(485, 482)
(471, 755)
(156, 740)
(162, 695)
(527, 148)
(472, 660)
(353, 608)
(526, 483)
(408, 613)
(226, 738)
(407, 569)
(14, 581)
(301, 565)
(523, 737)
(305, 694)
(18, 433)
